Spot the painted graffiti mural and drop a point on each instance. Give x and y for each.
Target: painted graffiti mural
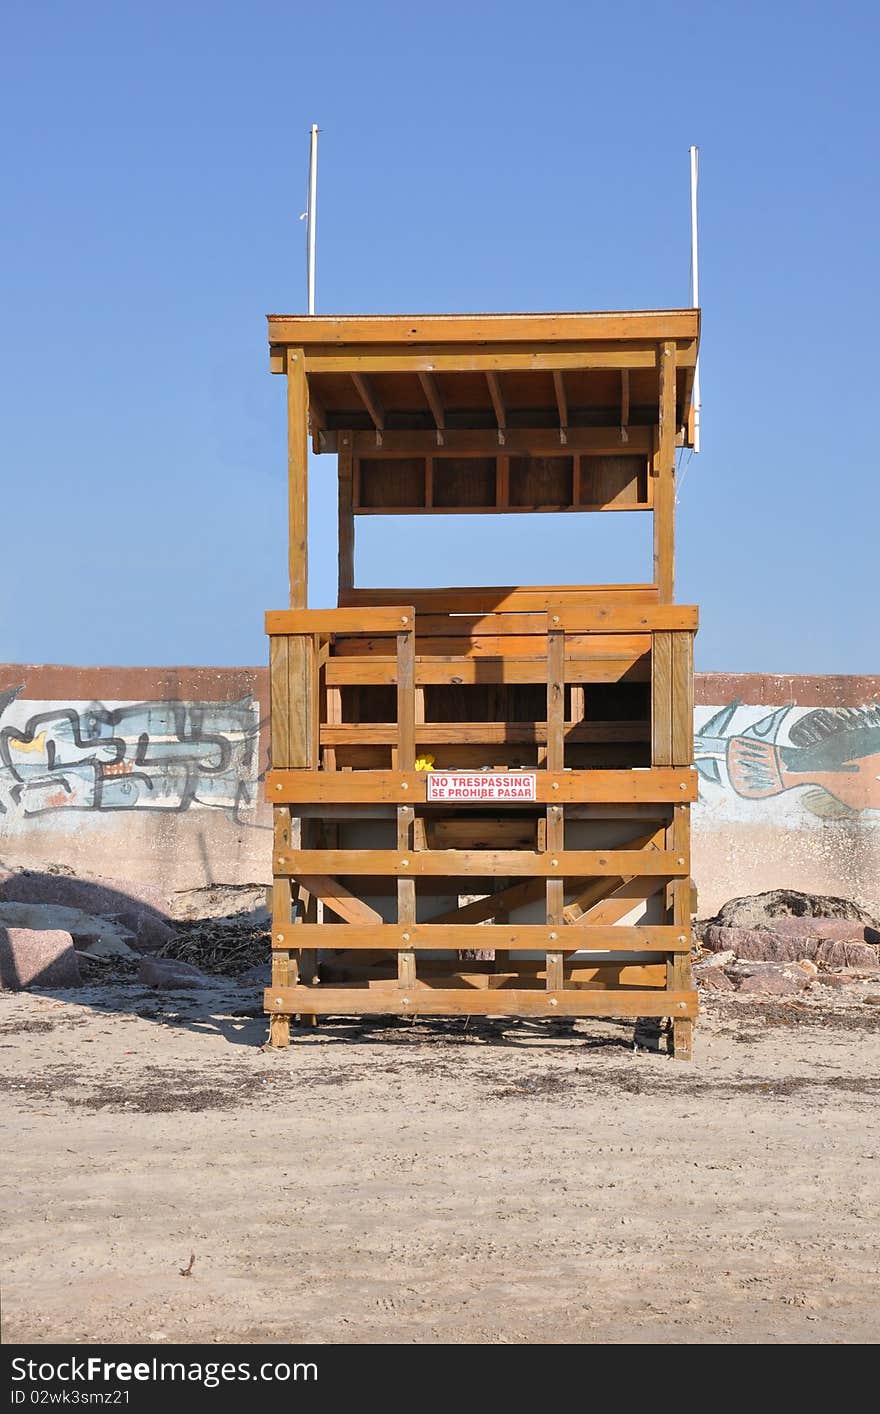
(104, 756)
(814, 761)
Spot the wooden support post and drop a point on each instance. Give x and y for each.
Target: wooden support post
(285, 968)
(678, 969)
(406, 896)
(555, 837)
(298, 477)
(661, 698)
(682, 699)
(663, 470)
(346, 515)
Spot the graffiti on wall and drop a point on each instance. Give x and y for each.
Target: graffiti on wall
(104, 756)
(822, 760)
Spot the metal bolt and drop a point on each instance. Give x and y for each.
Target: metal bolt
(404, 785)
(603, 861)
(405, 1001)
(555, 785)
(682, 938)
(279, 937)
(554, 862)
(404, 619)
(405, 937)
(553, 1001)
(681, 861)
(556, 618)
(404, 862)
(682, 785)
(278, 785)
(278, 1001)
(553, 937)
(681, 1006)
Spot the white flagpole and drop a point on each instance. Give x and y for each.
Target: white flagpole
(695, 284)
(311, 212)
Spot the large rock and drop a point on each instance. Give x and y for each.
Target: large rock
(756, 910)
(772, 981)
(762, 945)
(166, 973)
(222, 901)
(96, 936)
(713, 979)
(37, 958)
(136, 907)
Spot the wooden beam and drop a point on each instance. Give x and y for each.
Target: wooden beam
(338, 898)
(332, 1000)
(622, 900)
(664, 472)
(482, 863)
(519, 441)
(297, 478)
(561, 404)
(515, 937)
(498, 405)
(624, 405)
(612, 787)
(473, 358)
(345, 468)
(381, 620)
(460, 328)
(481, 733)
(367, 395)
(435, 403)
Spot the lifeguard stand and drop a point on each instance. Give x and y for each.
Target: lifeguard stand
(541, 868)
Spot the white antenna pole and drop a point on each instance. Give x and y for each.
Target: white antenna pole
(695, 284)
(311, 210)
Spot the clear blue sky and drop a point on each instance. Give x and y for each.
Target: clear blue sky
(474, 157)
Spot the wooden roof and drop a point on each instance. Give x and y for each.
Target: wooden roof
(459, 371)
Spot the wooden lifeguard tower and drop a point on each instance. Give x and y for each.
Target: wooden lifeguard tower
(481, 795)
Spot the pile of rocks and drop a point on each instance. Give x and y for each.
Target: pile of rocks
(782, 942)
(61, 930)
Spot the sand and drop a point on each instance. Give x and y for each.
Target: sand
(533, 1182)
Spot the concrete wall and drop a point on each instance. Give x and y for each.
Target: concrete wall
(152, 776)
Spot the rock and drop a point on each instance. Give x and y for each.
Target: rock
(37, 958)
(717, 959)
(841, 930)
(762, 945)
(167, 973)
(713, 979)
(756, 909)
(96, 936)
(772, 981)
(808, 967)
(835, 979)
(138, 908)
(222, 901)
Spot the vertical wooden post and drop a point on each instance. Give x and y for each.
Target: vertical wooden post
(346, 514)
(285, 969)
(678, 972)
(555, 837)
(406, 760)
(664, 470)
(661, 698)
(298, 477)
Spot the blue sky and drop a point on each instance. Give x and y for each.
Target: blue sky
(473, 157)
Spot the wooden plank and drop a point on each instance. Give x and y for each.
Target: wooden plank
(682, 699)
(570, 863)
(337, 897)
(406, 705)
(620, 901)
(285, 954)
(367, 395)
(454, 670)
(483, 442)
(489, 733)
(561, 404)
(555, 898)
(331, 1000)
(459, 328)
(345, 470)
(661, 700)
(297, 478)
(302, 750)
(456, 937)
(497, 403)
(604, 787)
(435, 403)
(624, 405)
(555, 701)
(381, 620)
(624, 618)
(406, 899)
(279, 701)
(359, 363)
(664, 470)
(533, 645)
(522, 599)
